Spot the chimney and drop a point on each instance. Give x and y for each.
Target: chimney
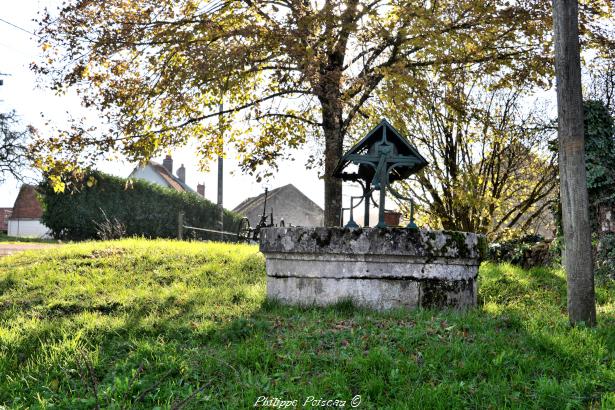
(200, 189)
(168, 164)
(181, 173)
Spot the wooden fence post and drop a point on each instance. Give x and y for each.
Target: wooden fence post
(180, 225)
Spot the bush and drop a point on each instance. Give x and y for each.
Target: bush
(109, 229)
(139, 207)
(528, 251)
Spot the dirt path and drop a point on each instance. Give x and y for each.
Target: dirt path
(10, 248)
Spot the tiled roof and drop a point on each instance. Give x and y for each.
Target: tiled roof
(171, 180)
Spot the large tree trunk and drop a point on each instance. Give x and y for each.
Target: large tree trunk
(573, 184)
(334, 145)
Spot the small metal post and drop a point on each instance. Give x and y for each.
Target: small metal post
(351, 223)
(180, 225)
(381, 223)
(367, 194)
(411, 224)
(342, 216)
(383, 193)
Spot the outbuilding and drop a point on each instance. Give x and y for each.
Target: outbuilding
(25, 220)
(287, 203)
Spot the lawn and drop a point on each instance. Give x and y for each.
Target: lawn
(4, 238)
(145, 324)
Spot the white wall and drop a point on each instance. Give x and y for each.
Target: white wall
(28, 228)
(148, 174)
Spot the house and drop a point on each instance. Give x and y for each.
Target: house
(287, 203)
(5, 214)
(163, 176)
(25, 220)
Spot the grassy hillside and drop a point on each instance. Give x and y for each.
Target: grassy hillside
(138, 323)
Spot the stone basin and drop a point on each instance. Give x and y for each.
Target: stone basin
(375, 268)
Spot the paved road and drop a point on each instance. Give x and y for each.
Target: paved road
(10, 248)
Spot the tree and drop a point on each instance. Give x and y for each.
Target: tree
(13, 150)
(287, 71)
(489, 167)
(573, 183)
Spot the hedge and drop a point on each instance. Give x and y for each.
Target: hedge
(143, 208)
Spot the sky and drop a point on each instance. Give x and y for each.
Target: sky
(20, 93)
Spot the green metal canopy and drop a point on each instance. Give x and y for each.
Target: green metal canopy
(383, 156)
(401, 158)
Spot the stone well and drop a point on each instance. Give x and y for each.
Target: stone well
(376, 268)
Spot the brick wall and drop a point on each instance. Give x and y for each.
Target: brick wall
(5, 214)
(27, 205)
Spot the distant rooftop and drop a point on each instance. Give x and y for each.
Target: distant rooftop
(171, 180)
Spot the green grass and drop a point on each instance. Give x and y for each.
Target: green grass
(4, 238)
(144, 324)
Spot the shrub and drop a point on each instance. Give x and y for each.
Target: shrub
(139, 207)
(109, 229)
(528, 251)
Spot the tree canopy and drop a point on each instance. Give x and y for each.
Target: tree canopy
(490, 170)
(285, 71)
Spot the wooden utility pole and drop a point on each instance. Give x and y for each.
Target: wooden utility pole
(577, 256)
(221, 181)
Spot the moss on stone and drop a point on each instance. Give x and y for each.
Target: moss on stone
(394, 241)
(413, 235)
(483, 247)
(435, 293)
(323, 241)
